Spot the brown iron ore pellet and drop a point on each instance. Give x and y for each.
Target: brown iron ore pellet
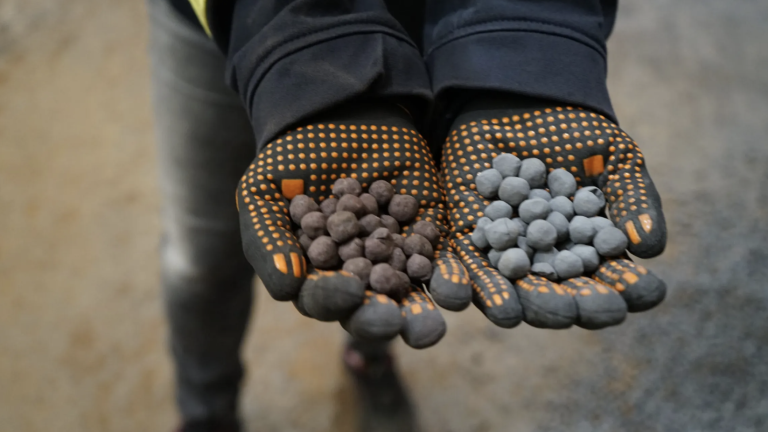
(382, 191)
(379, 245)
(342, 226)
(399, 240)
(417, 244)
(328, 207)
(353, 204)
(391, 224)
(370, 203)
(347, 186)
(300, 206)
(428, 230)
(370, 223)
(314, 224)
(403, 208)
(305, 242)
(360, 267)
(323, 253)
(405, 288)
(398, 259)
(419, 267)
(351, 249)
(385, 280)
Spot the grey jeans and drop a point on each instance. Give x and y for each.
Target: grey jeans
(204, 142)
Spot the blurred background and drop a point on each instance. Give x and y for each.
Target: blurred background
(82, 343)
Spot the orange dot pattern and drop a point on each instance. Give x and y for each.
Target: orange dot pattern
(490, 288)
(594, 149)
(620, 274)
(416, 303)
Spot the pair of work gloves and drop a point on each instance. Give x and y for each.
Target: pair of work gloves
(371, 141)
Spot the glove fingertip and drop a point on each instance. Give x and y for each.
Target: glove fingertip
(449, 285)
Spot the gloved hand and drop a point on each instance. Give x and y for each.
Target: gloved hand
(367, 142)
(598, 153)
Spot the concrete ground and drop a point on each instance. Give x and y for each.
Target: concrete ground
(81, 326)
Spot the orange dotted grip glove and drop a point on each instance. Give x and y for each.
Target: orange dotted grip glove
(367, 143)
(598, 153)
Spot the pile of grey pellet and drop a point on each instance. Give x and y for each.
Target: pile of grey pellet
(541, 224)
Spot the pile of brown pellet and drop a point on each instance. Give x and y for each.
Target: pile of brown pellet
(360, 233)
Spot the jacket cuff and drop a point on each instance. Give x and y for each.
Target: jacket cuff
(526, 58)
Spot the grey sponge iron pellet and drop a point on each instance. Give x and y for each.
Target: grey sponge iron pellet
(561, 225)
(589, 201)
(494, 256)
(488, 183)
(540, 193)
(610, 242)
(541, 235)
(561, 183)
(498, 210)
(533, 209)
(502, 234)
(534, 172)
(547, 256)
(514, 190)
(568, 265)
(544, 270)
(562, 205)
(588, 255)
(514, 264)
(581, 230)
(507, 164)
(600, 223)
(479, 238)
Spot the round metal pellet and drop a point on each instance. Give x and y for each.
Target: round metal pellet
(541, 235)
(545, 256)
(581, 230)
(488, 183)
(514, 190)
(610, 242)
(534, 172)
(539, 193)
(507, 164)
(568, 265)
(478, 237)
(544, 270)
(522, 243)
(562, 205)
(588, 256)
(493, 257)
(561, 225)
(588, 201)
(522, 227)
(533, 209)
(514, 264)
(601, 223)
(498, 210)
(561, 183)
(501, 234)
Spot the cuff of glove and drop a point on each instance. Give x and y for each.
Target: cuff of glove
(523, 58)
(307, 77)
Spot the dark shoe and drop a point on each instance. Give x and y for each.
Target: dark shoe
(384, 402)
(210, 426)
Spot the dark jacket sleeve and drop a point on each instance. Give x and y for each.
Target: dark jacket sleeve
(292, 59)
(552, 49)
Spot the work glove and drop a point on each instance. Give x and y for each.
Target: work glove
(598, 153)
(366, 142)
